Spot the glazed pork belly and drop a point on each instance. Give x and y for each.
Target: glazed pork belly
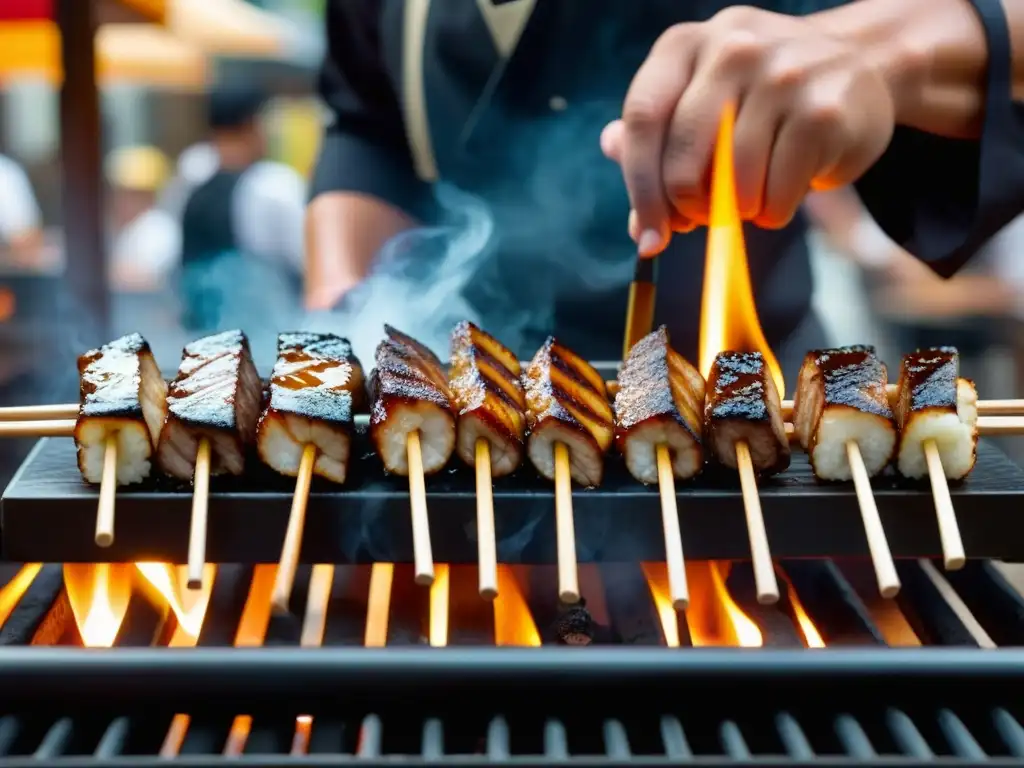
(743, 406)
(122, 394)
(841, 397)
(566, 402)
(410, 393)
(314, 387)
(488, 396)
(216, 395)
(933, 403)
(660, 401)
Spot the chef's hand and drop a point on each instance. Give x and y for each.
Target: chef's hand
(812, 113)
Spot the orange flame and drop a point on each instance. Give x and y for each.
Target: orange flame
(168, 584)
(812, 637)
(513, 623)
(728, 315)
(440, 595)
(15, 589)
(99, 596)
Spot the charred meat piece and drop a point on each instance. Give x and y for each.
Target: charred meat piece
(660, 401)
(566, 402)
(410, 393)
(216, 395)
(313, 390)
(841, 397)
(489, 399)
(933, 403)
(121, 393)
(743, 406)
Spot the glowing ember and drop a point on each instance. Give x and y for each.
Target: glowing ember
(15, 589)
(99, 596)
(513, 624)
(728, 315)
(378, 605)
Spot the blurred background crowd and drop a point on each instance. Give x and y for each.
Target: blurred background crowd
(210, 124)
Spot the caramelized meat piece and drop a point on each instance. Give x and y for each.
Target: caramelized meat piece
(121, 393)
(485, 386)
(566, 402)
(313, 391)
(660, 401)
(743, 406)
(934, 404)
(841, 397)
(216, 395)
(410, 393)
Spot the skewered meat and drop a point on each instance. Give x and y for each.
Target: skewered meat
(934, 404)
(216, 395)
(489, 398)
(841, 396)
(410, 393)
(566, 402)
(313, 390)
(121, 393)
(743, 406)
(660, 401)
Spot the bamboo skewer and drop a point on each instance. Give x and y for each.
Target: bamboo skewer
(423, 556)
(565, 529)
(881, 556)
(487, 550)
(39, 412)
(62, 428)
(285, 578)
(678, 589)
(761, 556)
(953, 555)
(200, 511)
(108, 491)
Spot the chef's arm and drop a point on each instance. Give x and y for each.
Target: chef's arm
(365, 189)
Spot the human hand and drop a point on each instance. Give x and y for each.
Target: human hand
(813, 112)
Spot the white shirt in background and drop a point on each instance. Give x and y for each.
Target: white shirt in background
(146, 252)
(1003, 258)
(19, 211)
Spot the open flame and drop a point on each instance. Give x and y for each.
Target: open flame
(99, 596)
(513, 622)
(728, 315)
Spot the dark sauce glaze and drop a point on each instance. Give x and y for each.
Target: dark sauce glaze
(204, 392)
(854, 377)
(110, 379)
(928, 380)
(405, 371)
(737, 388)
(316, 376)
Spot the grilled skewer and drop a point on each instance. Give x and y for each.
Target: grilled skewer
(306, 428)
(489, 399)
(843, 420)
(571, 428)
(412, 425)
(658, 425)
(123, 406)
(938, 418)
(213, 406)
(743, 429)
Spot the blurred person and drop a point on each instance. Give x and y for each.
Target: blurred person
(146, 246)
(21, 235)
(517, 101)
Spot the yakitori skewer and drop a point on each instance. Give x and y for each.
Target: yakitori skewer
(843, 419)
(659, 412)
(489, 399)
(571, 428)
(306, 428)
(412, 425)
(213, 406)
(938, 415)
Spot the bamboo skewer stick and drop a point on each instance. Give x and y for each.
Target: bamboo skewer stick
(953, 555)
(881, 556)
(60, 428)
(200, 511)
(487, 550)
(108, 490)
(423, 556)
(39, 412)
(761, 556)
(285, 578)
(565, 529)
(675, 561)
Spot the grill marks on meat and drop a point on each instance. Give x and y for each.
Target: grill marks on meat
(314, 388)
(410, 393)
(566, 401)
(660, 401)
(933, 403)
(489, 398)
(121, 393)
(217, 395)
(841, 396)
(743, 406)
